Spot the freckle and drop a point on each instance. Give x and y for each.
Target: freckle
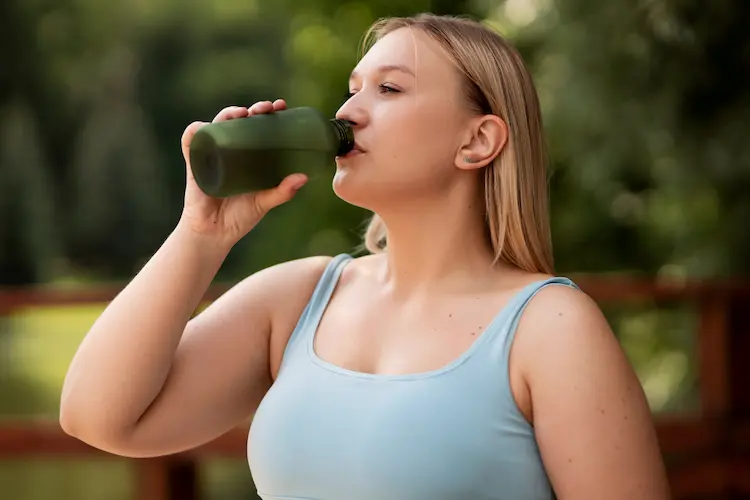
(450, 315)
(570, 460)
(559, 314)
(601, 411)
(473, 333)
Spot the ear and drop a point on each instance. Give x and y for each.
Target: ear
(485, 138)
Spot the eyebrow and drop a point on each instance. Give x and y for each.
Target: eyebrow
(385, 69)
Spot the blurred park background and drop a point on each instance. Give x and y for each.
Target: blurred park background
(647, 109)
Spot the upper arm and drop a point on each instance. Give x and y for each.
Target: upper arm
(221, 368)
(592, 421)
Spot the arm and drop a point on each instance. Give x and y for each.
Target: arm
(145, 382)
(592, 421)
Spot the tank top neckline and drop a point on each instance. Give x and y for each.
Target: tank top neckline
(498, 322)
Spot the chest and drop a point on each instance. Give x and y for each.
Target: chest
(323, 434)
(383, 337)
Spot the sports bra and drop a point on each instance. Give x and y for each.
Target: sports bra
(323, 432)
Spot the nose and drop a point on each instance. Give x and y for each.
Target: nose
(353, 112)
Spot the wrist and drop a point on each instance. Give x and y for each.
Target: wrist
(209, 246)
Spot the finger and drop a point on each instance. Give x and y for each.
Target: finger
(285, 191)
(261, 107)
(230, 113)
(279, 105)
(187, 137)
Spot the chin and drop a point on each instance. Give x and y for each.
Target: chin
(350, 189)
(353, 188)
(374, 189)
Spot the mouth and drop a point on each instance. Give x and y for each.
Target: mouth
(355, 151)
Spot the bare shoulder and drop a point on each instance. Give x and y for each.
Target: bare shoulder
(591, 418)
(294, 277)
(275, 289)
(559, 305)
(284, 290)
(563, 328)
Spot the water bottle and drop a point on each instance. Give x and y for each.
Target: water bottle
(255, 153)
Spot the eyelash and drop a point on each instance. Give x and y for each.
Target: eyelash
(384, 89)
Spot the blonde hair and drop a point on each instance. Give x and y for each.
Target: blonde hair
(515, 183)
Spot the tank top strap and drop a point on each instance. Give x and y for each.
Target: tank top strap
(505, 324)
(325, 287)
(318, 300)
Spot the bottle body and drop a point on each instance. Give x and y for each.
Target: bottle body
(255, 153)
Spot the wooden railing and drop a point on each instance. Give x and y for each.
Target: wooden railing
(713, 447)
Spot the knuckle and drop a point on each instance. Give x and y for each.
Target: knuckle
(259, 206)
(225, 113)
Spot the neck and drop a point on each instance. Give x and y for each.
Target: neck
(434, 245)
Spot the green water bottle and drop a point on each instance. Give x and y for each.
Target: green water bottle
(255, 153)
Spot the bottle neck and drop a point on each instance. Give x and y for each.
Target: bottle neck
(344, 136)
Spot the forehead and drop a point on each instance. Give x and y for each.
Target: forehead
(411, 48)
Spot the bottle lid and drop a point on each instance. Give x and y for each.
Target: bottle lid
(344, 135)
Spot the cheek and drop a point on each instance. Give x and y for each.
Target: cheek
(420, 136)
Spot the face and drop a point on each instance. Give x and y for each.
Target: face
(409, 119)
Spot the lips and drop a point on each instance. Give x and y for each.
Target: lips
(356, 150)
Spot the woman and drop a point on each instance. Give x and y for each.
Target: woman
(448, 364)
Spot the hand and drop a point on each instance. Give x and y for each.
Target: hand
(229, 219)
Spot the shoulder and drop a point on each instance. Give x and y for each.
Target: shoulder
(559, 304)
(297, 271)
(562, 324)
(293, 281)
(281, 291)
(273, 291)
(590, 414)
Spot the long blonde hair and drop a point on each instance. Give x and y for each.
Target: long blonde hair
(515, 183)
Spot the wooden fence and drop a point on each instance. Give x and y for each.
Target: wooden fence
(712, 449)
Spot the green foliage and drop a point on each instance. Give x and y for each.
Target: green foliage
(646, 107)
(644, 104)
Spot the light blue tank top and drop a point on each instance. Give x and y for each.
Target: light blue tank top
(455, 433)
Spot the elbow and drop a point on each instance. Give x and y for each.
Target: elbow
(66, 421)
(89, 428)
(69, 423)
(71, 416)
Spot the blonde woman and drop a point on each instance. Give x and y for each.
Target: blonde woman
(450, 363)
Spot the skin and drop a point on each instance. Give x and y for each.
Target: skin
(156, 382)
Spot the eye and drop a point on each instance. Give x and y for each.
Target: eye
(385, 89)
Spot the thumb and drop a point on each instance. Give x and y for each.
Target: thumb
(285, 191)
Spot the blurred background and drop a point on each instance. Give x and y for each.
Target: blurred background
(647, 109)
